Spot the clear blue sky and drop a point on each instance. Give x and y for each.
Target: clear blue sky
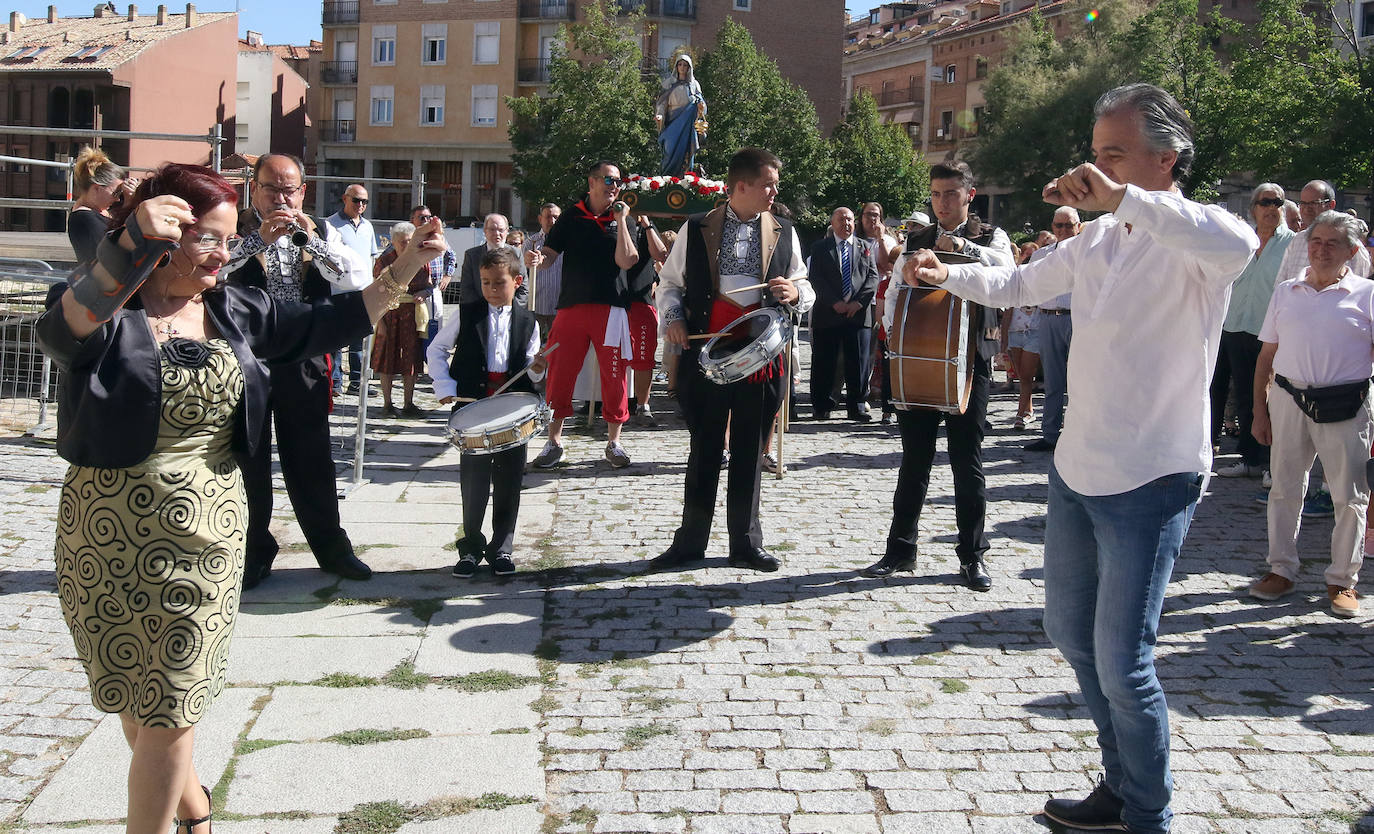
(280, 21)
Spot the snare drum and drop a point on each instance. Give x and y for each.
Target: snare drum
(931, 349)
(498, 423)
(746, 345)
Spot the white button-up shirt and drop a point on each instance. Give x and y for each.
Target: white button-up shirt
(1326, 336)
(1147, 308)
(498, 350)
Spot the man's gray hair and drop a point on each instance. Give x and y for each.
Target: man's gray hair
(1069, 212)
(405, 227)
(1324, 188)
(1163, 121)
(1341, 222)
(1264, 188)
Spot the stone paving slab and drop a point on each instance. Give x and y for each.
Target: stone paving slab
(302, 713)
(300, 619)
(92, 784)
(480, 634)
(323, 778)
(522, 819)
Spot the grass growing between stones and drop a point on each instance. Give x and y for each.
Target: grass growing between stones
(491, 680)
(358, 737)
(636, 737)
(404, 676)
(950, 686)
(246, 746)
(388, 817)
(343, 680)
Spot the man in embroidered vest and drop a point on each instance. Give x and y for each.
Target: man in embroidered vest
(737, 245)
(270, 260)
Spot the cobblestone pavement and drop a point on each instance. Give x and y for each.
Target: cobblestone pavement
(719, 700)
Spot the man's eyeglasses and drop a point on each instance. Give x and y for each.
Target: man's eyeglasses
(423, 218)
(362, 201)
(1062, 225)
(282, 191)
(1316, 203)
(1270, 202)
(614, 182)
(201, 242)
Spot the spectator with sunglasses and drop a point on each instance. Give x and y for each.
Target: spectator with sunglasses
(605, 253)
(357, 234)
(1250, 296)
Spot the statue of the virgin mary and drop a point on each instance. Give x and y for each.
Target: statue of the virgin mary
(679, 108)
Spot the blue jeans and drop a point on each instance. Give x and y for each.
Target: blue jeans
(1107, 564)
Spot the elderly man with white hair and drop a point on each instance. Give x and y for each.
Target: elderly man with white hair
(1318, 347)
(495, 229)
(1240, 331)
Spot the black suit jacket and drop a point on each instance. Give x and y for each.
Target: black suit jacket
(825, 279)
(470, 284)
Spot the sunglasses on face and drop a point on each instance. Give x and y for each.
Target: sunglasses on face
(1061, 225)
(614, 182)
(1269, 202)
(360, 201)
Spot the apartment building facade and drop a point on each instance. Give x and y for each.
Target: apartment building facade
(159, 73)
(270, 114)
(412, 89)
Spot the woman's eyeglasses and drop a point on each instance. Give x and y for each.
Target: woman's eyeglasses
(208, 243)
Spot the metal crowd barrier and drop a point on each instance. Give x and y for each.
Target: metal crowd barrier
(28, 381)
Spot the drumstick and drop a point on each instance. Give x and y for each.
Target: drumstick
(746, 289)
(707, 335)
(534, 272)
(526, 370)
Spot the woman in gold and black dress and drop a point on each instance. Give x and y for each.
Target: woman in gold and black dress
(163, 384)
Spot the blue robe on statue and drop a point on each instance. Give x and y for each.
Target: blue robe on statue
(678, 107)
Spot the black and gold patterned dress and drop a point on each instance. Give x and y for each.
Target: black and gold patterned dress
(150, 557)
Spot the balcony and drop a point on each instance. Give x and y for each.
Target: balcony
(339, 130)
(533, 71)
(674, 9)
(654, 69)
(910, 97)
(338, 12)
(339, 72)
(546, 10)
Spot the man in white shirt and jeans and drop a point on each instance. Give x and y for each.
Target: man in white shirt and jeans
(1150, 284)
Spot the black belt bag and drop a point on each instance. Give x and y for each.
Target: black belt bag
(1329, 404)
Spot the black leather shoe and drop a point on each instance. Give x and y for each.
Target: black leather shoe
(674, 560)
(1100, 811)
(254, 574)
(860, 415)
(341, 560)
(975, 575)
(1041, 445)
(466, 566)
(821, 415)
(759, 560)
(888, 565)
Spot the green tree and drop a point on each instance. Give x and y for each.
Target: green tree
(752, 104)
(874, 162)
(598, 106)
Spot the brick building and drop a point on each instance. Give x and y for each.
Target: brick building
(412, 88)
(160, 73)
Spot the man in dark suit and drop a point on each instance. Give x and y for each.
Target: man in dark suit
(495, 228)
(844, 273)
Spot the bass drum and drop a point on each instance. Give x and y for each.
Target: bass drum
(931, 349)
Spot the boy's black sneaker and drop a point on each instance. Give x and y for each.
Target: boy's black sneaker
(502, 564)
(466, 567)
(1099, 811)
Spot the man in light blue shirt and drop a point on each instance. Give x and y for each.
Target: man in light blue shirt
(358, 235)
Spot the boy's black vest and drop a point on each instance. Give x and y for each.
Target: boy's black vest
(468, 367)
(314, 287)
(702, 287)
